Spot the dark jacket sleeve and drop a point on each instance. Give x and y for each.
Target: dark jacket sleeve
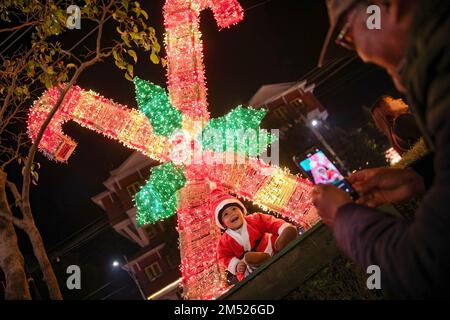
(425, 168)
(414, 258)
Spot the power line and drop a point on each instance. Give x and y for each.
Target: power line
(257, 5)
(76, 243)
(95, 291)
(337, 70)
(114, 292)
(7, 38)
(16, 39)
(317, 72)
(53, 248)
(66, 52)
(81, 239)
(23, 32)
(352, 76)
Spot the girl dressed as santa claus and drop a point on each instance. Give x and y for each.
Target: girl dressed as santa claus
(248, 240)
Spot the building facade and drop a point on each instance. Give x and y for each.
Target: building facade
(288, 103)
(155, 267)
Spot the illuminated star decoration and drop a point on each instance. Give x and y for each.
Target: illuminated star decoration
(157, 199)
(151, 131)
(154, 103)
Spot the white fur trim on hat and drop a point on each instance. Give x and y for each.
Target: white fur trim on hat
(222, 204)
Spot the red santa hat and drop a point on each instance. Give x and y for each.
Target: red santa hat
(220, 200)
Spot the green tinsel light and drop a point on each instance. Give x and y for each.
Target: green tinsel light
(238, 131)
(155, 104)
(157, 200)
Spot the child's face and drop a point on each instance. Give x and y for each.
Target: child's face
(232, 217)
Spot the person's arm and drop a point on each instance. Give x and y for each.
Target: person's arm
(226, 257)
(414, 258)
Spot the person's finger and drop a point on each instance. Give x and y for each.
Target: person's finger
(357, 176)
(372, 204)
(370, 184)
(364, 198)
(358, 189)
(357, 185)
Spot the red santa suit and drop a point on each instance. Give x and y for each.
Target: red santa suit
(258, 233)
(257, 227)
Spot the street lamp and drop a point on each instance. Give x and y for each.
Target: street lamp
(313, 125)
(131, 273)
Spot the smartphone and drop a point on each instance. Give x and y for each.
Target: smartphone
(321, 170)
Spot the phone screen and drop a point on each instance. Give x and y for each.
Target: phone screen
(322, 171)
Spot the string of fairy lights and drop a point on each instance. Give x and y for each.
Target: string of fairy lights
(183, 186)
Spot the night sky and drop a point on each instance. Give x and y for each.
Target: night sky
(278, 41)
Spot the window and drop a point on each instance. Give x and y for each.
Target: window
(281, 113)
(153, 271)
(297, 103)
(133, 188)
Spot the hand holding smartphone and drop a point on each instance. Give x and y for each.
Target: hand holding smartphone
(320, 170)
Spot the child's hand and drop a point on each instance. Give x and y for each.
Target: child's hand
(241, 267)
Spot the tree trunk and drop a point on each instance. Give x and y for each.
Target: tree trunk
(11, 259)
(28, 221)
(44, 263)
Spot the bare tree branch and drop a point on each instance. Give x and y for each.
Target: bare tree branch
(22, 65)
(16, 221)
(14, 190)
(21, 84)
